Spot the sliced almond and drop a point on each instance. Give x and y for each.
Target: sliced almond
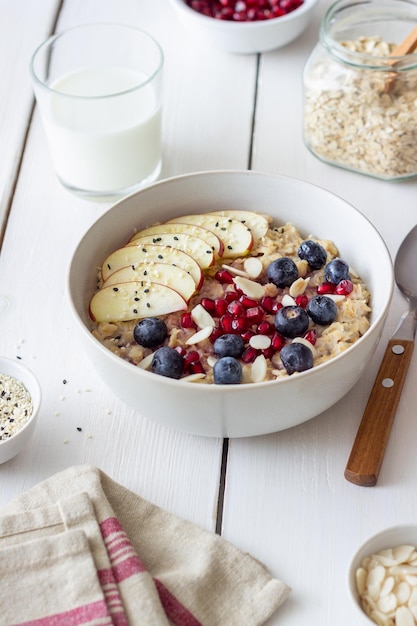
(335, 297)
(211, 360)
(250, 288)
(259, 369)
(402, 553)
(288, 300)
(307, 344)
(388, 603)
(202, 317)
(145, 364)
(260, 342)
(193, 377)
(235, 270)
(200, 335)
(404, 617)
(361, 575)
(253, 266)
(298, 287)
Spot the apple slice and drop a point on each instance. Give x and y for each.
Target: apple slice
(163, 273)
(236, 237)
(257, 222)
(134, 300)
(194, 246)
(150, 253)
(187, 229)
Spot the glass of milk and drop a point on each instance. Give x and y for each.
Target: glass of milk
(99, 91)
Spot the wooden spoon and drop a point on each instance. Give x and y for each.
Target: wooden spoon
(372, 437)
(407, 46)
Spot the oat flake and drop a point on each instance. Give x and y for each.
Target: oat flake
(15, 406)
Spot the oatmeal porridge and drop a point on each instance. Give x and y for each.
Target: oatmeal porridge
(252, 301)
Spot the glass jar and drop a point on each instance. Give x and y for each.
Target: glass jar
(360, 103)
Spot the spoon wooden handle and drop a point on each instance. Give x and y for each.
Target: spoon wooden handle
(408, 45)
(372, 437)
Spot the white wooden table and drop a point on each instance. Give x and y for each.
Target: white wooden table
(285, 498)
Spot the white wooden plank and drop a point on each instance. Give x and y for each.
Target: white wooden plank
(174, 470)
(287, 500)
(23, 25)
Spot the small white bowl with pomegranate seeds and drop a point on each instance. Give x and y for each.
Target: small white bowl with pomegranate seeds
(151, 265)
(245, 26)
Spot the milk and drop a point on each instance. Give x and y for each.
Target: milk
(101, 142)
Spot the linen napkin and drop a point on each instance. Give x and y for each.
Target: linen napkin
(81, 550)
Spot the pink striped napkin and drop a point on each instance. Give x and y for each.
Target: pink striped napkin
(81, 550)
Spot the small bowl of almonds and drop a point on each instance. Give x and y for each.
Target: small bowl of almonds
(20, 398)
(383, 577)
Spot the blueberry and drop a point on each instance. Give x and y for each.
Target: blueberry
(291, 321)
(229, 345)
(322, 310)
(296, 357)
(227, 371)
(313, 253)
(335, 271)
(150, 332)
(167, 362)
(282, 272)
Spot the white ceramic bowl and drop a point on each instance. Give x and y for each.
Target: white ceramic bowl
(13, 445)
(388, 538)
(246, 37)
(246, 409)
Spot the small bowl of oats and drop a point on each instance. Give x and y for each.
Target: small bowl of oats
(20, 398)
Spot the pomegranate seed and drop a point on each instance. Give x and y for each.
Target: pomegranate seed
(240, 16)
(235, 308)
(344, 288)
(191, 357)
(215, 334)
(244, 10)
(225, 14)
(301, 301)
(249, 355)
(265, 328)
(254, 315)
(267, 303)
(269, 352)
(196, 368)
(247, 334)
(226, 323)
(187, 320)
(231, 295)
(224, 277)
(181, 351)
(208, 304)
(277, 341)
(248, 302)
(220, 306)
(311, 336)
(326, 288)
(238, 324)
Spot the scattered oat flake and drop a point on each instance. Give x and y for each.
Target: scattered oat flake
(15, 406)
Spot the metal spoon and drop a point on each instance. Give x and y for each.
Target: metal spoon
(372, 437)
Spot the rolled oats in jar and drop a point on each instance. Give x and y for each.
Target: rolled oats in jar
(360, 103)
